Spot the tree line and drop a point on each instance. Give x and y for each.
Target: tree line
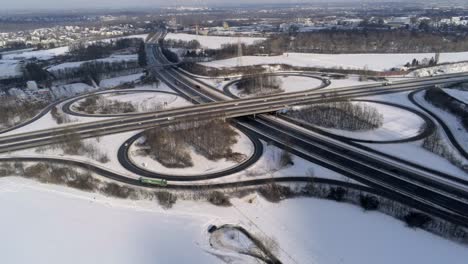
(95, 69)
(366, 41)
(101, 49)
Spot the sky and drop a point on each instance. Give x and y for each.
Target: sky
(66, 4)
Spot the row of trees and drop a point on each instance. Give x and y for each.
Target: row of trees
(95, 69)
(170, 145)
(340, 115)
(365, 41)
(424, 62)
(101, 49)
(173, 43)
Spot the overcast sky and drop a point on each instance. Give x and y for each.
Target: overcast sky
(60, 4)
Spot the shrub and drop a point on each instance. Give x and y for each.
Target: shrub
(337, 194)
(218, 198)
(6, 169)
(416, 219)
(36, 170)
(166, 199)
(369, 202)
(274, 192)
(84, 182)
(116, 190)
(285, 159)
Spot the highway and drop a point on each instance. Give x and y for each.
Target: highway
(379, 172)
(424, 189)
(220, 109)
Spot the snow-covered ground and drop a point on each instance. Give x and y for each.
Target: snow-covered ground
(201, 166)
(397, 124)
(39, 54)
(458, 94)
(9, 68)
(289, 84)
(441, 69)
(76, 64)
(413, 151)
(52, 224)
(212, 42)
(376, 62)
(453, 123)
(67, 90)
(113, 82)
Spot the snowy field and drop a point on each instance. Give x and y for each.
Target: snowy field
(67, 90)
(113, 82)
(376, 62)
(76, 64)
(9, 68)
(105, 230)
(39, 54)
(212, 42)
(397, 124)
(289, 84)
